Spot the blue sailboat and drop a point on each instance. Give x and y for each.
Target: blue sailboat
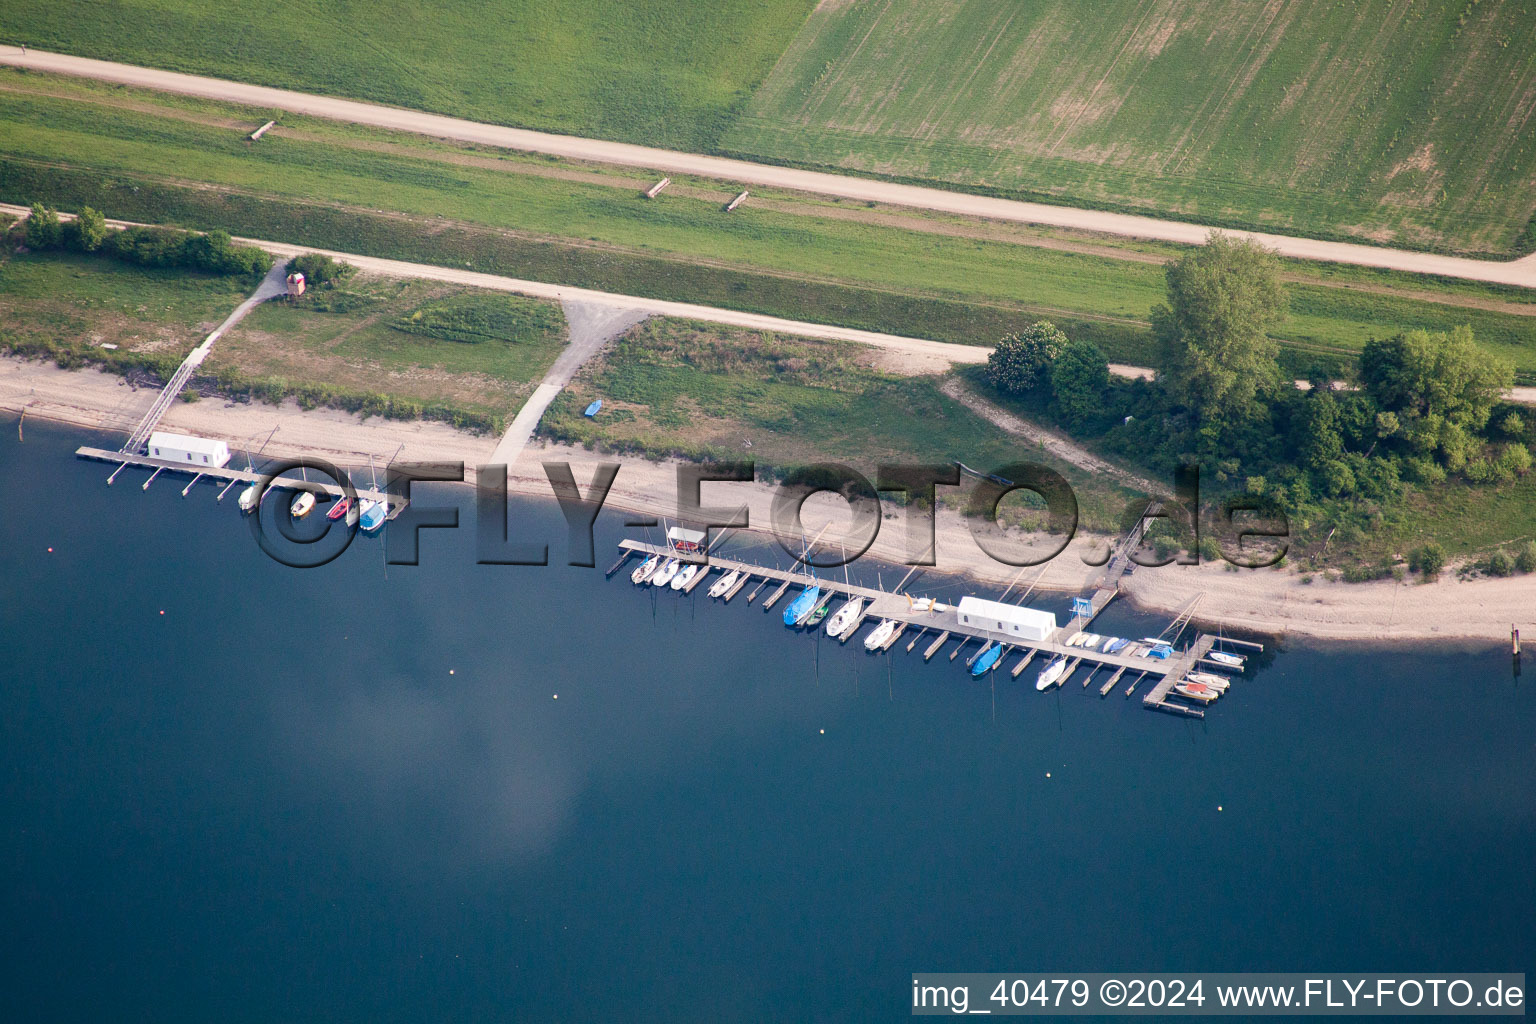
(801, 607)
(986, 661)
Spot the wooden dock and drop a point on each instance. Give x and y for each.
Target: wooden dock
(945, 625)
(232, 476)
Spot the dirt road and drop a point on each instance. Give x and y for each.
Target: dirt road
(1520, 272)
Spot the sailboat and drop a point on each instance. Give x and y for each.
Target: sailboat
(342, 507)
(302, 504)
(1197, 691)
(248, 498)
(987, 660)
(685, 576)
(372, 514)
(1051, 674)
(664, 575)
(723, 585)
(801, 607)
(644, 569)
(1210, 679)
(844, 618)
(880, 635)
(1223, 658)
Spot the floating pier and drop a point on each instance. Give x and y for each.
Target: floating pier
(320, 488)
(945, 624)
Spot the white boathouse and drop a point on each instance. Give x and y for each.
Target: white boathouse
(1008, 619)
(201, 452)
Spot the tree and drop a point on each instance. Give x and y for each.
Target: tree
(1078, 380)
(90, 230)
(1022, 362)
(1321, 439)
(1216, 356)
(42, 227)
(1441, 387)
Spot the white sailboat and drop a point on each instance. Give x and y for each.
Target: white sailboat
(685, 576)
(723, 585)
(1051, 674)
(248, 498)
(664, 575)
(644, 569)
(879, 635)
(843, 619)
(302, 504)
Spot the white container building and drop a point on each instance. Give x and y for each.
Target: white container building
(1008, 619)
(198, 452)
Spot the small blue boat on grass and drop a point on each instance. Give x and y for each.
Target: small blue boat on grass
(592, 410)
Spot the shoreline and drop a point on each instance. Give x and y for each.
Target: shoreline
(1264, 601)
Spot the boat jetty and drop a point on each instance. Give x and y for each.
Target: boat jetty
(1182, 676)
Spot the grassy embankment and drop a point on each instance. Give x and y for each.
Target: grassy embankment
(1407, 124)
(403, 349)
(667, 74)
(1374, 120)
(137, 155)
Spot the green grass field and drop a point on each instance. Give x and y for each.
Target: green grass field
(393, 338)
(674, 387)
(335, 345)
(1407, 123)
(667, 74)
(543, 219)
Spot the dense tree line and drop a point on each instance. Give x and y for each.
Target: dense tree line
(214, 252)
(1424, 407)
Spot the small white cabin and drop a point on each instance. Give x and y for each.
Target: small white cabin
(199, 452)
(1009, 619)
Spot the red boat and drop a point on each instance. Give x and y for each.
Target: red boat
(339, 509)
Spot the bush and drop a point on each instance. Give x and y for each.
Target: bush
(1525, 559)
(1500, 564)
(319, 271)
(43, 230)
(1428, 560)
(87, 231)
(1022, 362)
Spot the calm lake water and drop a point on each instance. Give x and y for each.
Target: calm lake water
(349, 793)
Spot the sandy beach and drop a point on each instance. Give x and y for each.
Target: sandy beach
(1264, 600)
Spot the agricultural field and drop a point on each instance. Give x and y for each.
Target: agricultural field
(161, 159)
(1409, 123)
(666, 74)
